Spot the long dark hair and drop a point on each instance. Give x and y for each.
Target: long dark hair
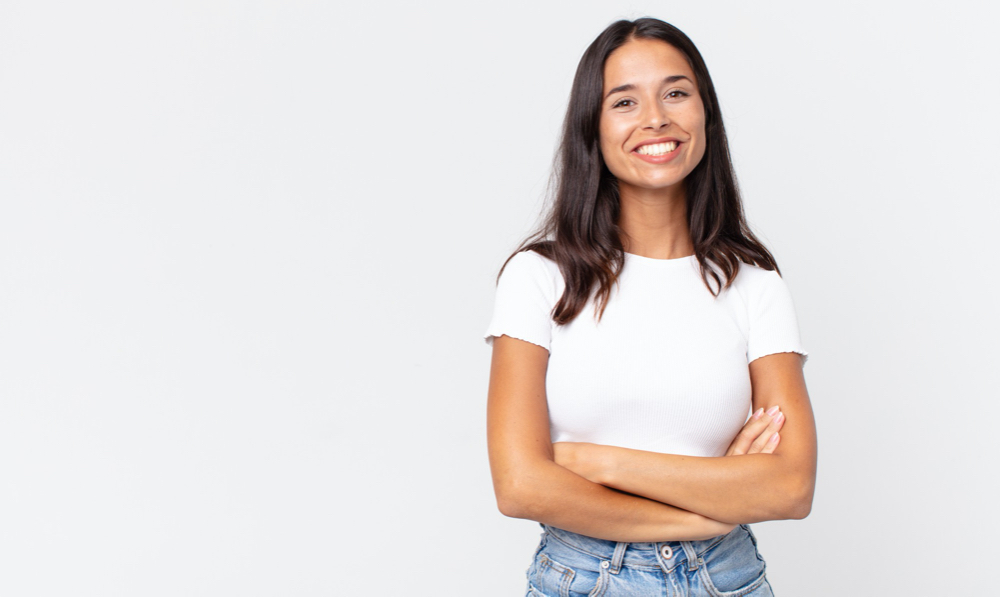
(581, 232)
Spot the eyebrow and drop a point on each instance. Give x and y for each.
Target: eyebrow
(630, 86)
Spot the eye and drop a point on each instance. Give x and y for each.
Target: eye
(621, 103)
(678, 93)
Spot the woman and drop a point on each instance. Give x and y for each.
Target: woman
(636, 330)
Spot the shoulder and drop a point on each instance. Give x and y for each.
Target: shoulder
(753, 281)
(751, 274)
(531, 261)
(760, 290)
(531, 267)
(526, 293)
(770, 313)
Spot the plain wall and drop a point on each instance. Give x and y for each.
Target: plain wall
(248, 252)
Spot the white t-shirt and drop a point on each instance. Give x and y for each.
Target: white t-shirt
(666, 368)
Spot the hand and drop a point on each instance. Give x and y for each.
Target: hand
(759, 435)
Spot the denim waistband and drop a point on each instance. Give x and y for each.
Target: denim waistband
(638, 554)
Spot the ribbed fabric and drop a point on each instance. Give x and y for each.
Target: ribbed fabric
(666, 369)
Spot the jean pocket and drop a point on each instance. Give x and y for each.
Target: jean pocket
(753, 539)
(733, 568)
(554, 579)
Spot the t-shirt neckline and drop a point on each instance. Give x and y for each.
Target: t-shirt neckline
(661, 262)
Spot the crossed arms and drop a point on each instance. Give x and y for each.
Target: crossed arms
(632, 495)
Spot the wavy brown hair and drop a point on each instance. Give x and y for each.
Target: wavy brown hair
(581, 232)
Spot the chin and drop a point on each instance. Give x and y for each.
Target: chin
(654, 185)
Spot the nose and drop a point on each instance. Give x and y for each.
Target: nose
(655, 117)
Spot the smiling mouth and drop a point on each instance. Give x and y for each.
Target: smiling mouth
(657, 149)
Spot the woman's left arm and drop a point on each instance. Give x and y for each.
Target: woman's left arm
(732, 489)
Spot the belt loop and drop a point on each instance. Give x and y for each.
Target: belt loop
(692, 555)
(616, 559)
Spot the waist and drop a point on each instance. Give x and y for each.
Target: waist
(642, 554)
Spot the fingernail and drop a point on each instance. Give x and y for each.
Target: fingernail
(779, 418)
(759, 412)
(773, 410)
(774, 439)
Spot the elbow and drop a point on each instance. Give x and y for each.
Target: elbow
(517, 500)
(511, 508)
(509, 505)
(800, 500)
(799, 510)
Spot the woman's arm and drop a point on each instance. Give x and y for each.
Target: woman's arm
(734, 489)
(529, 484)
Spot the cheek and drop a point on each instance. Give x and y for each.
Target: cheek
(610, 140)
(700, 138)
(696, 127)
(603, 135)
(604, 144)
(704, 138)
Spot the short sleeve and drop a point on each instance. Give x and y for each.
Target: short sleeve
(773, 325)
(524, 300)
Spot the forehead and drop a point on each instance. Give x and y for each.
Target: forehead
(644, 62)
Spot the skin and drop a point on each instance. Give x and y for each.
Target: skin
(530, 484)
(773, 485)
(632, 495)
(653, 196)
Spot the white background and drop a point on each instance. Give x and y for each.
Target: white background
(247, 255)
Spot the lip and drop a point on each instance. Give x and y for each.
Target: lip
(655, 141)
(658, 159)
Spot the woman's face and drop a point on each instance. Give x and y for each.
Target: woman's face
(652, 128)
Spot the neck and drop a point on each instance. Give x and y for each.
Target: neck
(654, 222)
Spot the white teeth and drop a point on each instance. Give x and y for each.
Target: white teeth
(658, 148)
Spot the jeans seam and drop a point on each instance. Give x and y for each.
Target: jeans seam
(601, 558)
(712, 545)
(753, 586)
(575, 548)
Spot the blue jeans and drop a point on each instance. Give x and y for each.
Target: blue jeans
(571, 565)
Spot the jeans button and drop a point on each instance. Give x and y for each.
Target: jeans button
(666, 552)
(605, 564)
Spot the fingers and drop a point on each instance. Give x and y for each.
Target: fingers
(771, 444)
(768, 439)
(741, 443)
(756, 432)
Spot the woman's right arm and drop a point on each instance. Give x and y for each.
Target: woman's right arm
(529, 484)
